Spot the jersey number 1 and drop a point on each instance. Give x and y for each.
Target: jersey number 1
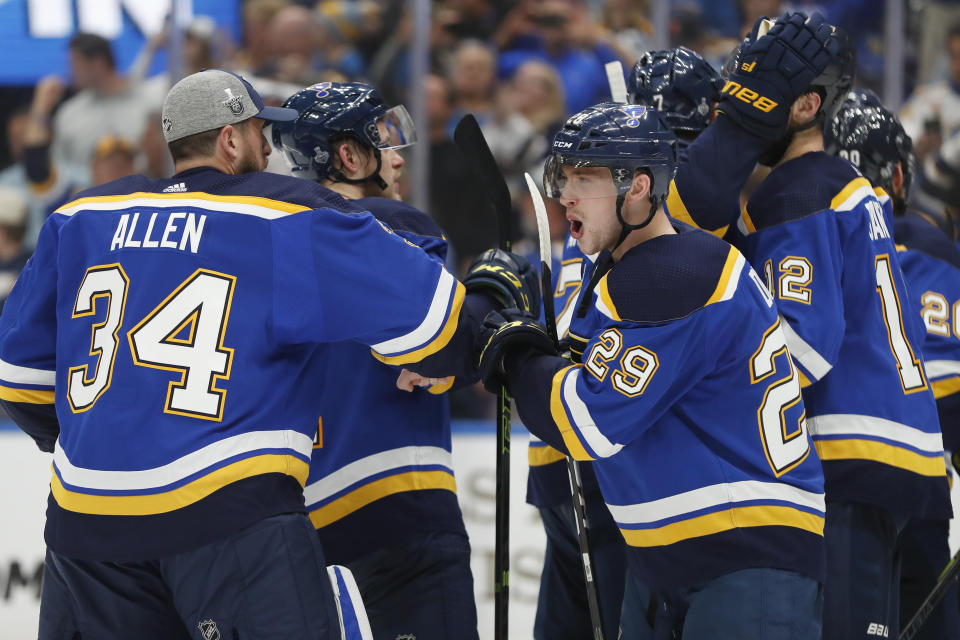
(183, 334)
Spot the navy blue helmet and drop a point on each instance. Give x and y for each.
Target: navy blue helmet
(619, 137)
(835, 82)
(871, 137)
(330, 112)
(679, 84)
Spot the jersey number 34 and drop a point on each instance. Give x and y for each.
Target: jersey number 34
(183, 334)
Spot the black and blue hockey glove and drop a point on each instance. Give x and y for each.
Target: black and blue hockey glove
(773, 70)
(508, 277)
(505, 331)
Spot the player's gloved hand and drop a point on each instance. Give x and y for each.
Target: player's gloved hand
(508, 277)
(773, 70)
(504, 331)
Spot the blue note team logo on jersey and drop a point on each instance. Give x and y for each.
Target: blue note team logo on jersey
(634, 113)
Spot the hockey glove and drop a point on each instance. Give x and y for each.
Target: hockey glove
(773, 70)
(508, 277)
(508, 330)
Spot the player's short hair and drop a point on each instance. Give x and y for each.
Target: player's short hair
(90, 45)
(197, 145)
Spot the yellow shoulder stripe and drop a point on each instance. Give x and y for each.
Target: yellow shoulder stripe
(678, 210)
(268, 203)
(604, 292)
(847, 191)
(728, 266)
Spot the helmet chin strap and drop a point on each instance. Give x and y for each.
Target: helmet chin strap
(605, 260)
(374, 177)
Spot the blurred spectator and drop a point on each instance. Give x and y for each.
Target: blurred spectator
(13, 226)
(473, 77)
(113, 159)
(155, 159)
(299, 47)
(629, 28)
(197, 51)
(561, 33)
(47, 188)
(538, 97)
(106, 103)
(14, 175)
(257, 15)
(933, 113)
(937, 192)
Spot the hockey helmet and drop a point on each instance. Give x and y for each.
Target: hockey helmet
(619, 137)
(872, 138)
(835, 82)
(330, 112)
(679, 84)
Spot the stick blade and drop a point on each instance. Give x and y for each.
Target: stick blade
(469, 139)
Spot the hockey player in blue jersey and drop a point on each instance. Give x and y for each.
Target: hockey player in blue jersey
(164, 342)
(816, 230)
(684, 88)
(685, 399)
(873, 140)
(381, 490)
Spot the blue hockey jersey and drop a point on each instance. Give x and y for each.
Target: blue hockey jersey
(816, 230)
(931, 266)
(689, 407)
(174, 326)
(382, 468)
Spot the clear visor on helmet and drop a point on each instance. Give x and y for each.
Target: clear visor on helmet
(578, 179)
(400, 131)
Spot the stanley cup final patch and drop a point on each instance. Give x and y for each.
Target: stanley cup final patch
(234, 103)
(208, 629)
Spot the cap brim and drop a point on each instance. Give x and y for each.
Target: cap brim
(277, 114)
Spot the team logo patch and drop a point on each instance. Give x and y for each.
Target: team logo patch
(634, 113)
(234, 103)
(208, 629)
(406, 636)
(322, 89)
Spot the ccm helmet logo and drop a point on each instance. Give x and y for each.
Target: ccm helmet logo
(562, 145)
(749, 96)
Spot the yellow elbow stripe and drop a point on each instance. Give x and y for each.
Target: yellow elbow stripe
(438, 343)
(27, 396)
(945, 387)
(559, 415)
(541, 456)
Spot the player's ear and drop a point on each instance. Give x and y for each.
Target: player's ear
(804, 108)
(640, 188)
(347, 154)
(228, 141)
(897, 180)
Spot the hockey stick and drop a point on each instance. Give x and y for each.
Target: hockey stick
(469, 139)
(618, 88)
(946, 580)
(573, 471)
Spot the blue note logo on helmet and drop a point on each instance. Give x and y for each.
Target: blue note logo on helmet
(333, 111)
(871, 137)
(679, 84)
(620, 138)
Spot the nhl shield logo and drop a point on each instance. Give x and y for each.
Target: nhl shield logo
(234, 103)
(208, 629)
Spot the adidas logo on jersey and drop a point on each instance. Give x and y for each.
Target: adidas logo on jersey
(180, 187)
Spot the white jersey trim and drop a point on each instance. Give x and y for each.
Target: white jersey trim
(361, 469)
(583, 422)
(26, 375)
(174, 203)
(431, 325)
(180, 468)
(941, 368)
(853, 425)
(856, 197)
(712, 496)
(803, 353)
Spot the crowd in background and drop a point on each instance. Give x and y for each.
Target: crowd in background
(520, 66)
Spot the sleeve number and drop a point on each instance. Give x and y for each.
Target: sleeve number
(184, 334)
(569, 281)
(796, 274)
(637, 365)
(911, 373)
(936, 314)
(785, 448)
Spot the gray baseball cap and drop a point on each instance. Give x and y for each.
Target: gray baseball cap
(211, 99)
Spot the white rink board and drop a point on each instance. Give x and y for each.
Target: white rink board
(25, 477)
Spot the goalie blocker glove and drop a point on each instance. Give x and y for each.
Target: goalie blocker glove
(507, 330)
(769, 72)
(508, 277)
